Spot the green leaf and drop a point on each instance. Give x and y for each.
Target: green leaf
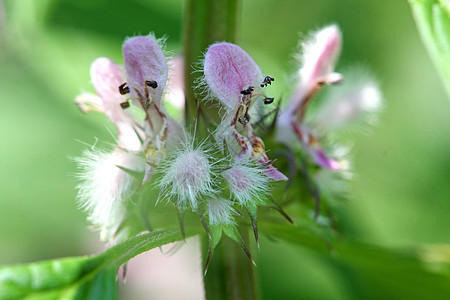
(216, 235)
(433, 21)
(87, 277)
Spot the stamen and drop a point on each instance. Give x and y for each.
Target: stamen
(268, 100)
(151, 83)
(244, 120)
(125, 105)
(248, 91)
(123, 89)
(267, 81)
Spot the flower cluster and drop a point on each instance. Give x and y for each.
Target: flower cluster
(228, 171)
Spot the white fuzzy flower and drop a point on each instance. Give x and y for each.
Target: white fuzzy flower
(247, 182)
(105, 187)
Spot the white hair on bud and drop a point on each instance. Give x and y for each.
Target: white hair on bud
(187, 175)
(105, 188)
(220, 211)
(247, 182)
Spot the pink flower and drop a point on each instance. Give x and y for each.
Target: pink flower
(236, 80)
(317, 60)
(147, 72)
(105, 187)
(108, 178)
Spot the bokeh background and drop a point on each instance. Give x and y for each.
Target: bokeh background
(401, 191)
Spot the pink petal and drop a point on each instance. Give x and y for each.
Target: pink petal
(229, 70)
(319, 56)
(322, 160)
(106, 77)
(145, 60)
(274, 174)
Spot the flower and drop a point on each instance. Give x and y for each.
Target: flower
(108, 179)
(234, 78)
(105, 187)
(320, 52)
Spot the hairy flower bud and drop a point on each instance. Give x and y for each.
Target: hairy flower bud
(247, 182)
(319, 54)
(187, 175)
(220, 211)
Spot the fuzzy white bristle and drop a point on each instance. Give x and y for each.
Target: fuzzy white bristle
(105, 187)
(220, 211)
(187, 175)
(247, 182)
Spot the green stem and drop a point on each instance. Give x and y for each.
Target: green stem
(205, 22)
(231, 275)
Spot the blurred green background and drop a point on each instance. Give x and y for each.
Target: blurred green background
(401, 188)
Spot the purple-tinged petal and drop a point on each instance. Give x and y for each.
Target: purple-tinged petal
(322, 160)
(319, 56)
(259, 154)
(145, 60)
(106, 77)
(274, 174)
(175, 84)
(230, 70)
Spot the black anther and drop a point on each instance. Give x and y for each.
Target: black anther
(244, 120)
(123, 89)
(124, 104)
(267, 80)
(248, 91)
(268, 100)
(151, 83)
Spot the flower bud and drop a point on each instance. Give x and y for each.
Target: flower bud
(220, 211)
(247, 182)
(187, 176)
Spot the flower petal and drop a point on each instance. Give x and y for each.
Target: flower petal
(319, 56)
(145, 60)
(229, 70)
(106, 77)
